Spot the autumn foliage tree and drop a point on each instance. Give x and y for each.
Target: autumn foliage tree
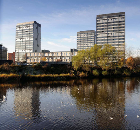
(103, 56)
(137, 61)
(43, 59)
(130, 62)
(121, 63)
(58, 60)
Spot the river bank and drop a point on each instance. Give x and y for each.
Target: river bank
(62, 77)
(62, 72)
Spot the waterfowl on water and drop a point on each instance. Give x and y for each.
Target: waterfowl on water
(4, 98)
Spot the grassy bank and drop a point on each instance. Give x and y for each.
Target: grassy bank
(62, 72)
(41, 77)
(95, 73)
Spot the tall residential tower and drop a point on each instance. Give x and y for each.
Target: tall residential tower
(110, 29)
(85, 39)
(28, 39)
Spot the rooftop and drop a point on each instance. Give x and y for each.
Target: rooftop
(27, 23)
(110, 14)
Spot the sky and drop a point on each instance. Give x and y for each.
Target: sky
(61, 20)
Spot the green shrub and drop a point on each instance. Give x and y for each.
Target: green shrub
(127, 73)
(104, 73)
(95, 72)
(117, 72)
(135, 70)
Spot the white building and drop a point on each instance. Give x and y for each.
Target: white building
(28, 39)
(60, 56)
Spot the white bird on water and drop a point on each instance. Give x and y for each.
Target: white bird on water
(111, 118)
(4, 98)
(137, 116)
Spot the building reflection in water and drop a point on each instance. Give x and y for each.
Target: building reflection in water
(26, 103)
(2, 93)
(103, 98)
(106, 99)
(132, 85)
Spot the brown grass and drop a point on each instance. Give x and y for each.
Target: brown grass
(8, 75)
(50, 75)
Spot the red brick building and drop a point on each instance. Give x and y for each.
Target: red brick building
(11, 56)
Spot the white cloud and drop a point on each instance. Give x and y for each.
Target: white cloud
(72, 39)
(84, 17)
(118, 1)
(52, 43)
(138, 34)
(20, 8)
(53, 46)
(133, 39)
(57, 45)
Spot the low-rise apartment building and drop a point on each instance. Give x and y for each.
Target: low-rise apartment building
(60, 56)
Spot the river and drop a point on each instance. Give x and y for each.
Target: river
(77, 104)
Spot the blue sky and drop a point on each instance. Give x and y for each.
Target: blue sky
(61, 20)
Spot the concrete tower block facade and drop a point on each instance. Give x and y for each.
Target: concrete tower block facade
(85, 39)
(110, 29)
(28, 39)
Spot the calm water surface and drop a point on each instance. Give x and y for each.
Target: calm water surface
(76, 104)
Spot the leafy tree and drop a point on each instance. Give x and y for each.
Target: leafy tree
(130, 62)
(120, 63)
(76, 62)
(58, 60)
(86, 67)
(79, 59)
(107, 56)
(137, 61)
(95, 52)
(43, 59)
(87, 56)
